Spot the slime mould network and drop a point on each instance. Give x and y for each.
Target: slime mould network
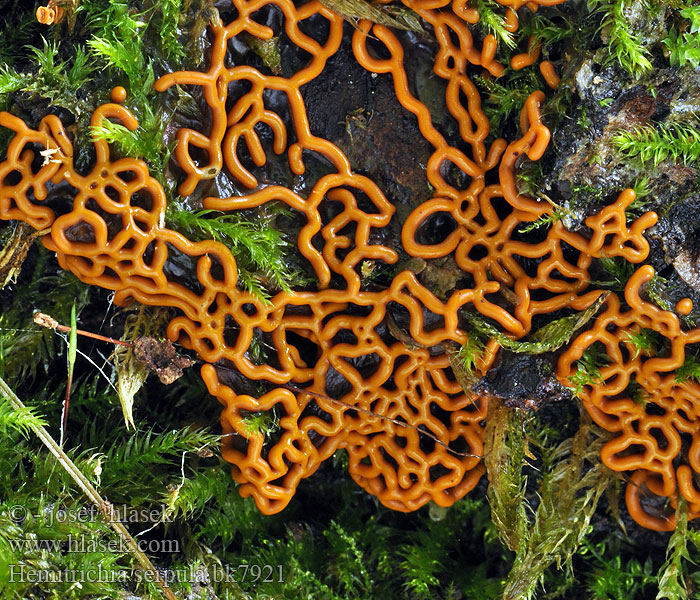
(411, 432)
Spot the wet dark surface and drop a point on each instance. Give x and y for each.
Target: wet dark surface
(522, 381)
(358, 111)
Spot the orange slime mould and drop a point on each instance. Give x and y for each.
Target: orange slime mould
(411, 432)
(648, 430)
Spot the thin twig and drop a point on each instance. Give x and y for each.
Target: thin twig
(51, 323)
(83, 482)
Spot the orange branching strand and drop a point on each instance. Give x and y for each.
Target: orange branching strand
(526, 59)
(642, 403)
(338, 374)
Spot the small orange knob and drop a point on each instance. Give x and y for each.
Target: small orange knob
(118, 94)
(684, 306)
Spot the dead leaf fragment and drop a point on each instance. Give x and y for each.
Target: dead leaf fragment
(161, 358)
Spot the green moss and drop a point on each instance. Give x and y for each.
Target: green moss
(118, 41)
(504, 458)
(547, 339)
(635, 391)
(506, 96)
(27, 350)
(492, 21)
(265, 423)
(354, 10)
(258, 247)
(684, 45)
(616, 577)
(471, 352)
(690, 369)
(616, 272)
(679, 142)
(655, 289)
(145, 142)
(588, 369)
(671, 577)
(573, 481)
(644, 341)
(168, 30)
(625, 46)
(56, 80)
(530, 177)
(546, 221)
(546, 30)
(269, 52)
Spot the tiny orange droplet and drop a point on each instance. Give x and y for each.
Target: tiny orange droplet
(684, 306)
(118, 94)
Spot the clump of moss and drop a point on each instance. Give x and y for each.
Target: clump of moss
(679, 142)
(258, 246)
(683, 44)
(624, 44)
